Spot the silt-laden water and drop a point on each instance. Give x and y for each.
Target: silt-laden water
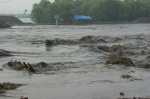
(83, 75)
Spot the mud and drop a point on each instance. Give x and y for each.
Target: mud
(73, 62)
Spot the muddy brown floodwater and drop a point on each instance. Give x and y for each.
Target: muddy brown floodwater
(79, 55)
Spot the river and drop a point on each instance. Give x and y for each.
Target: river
(81, 80)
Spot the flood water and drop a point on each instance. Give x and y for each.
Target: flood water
(27, 44)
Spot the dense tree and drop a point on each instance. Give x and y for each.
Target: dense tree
(78, 6)
(67, 10)
(44, 3)
(38, 14)
(105, 10)
(99, 10)
(85, 8)
(51, 10)
(57, 1)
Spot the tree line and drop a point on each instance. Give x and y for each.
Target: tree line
(99, 10)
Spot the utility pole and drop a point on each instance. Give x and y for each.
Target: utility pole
(25, 15)
(56, 17)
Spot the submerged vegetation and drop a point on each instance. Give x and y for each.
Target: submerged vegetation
(99, 10)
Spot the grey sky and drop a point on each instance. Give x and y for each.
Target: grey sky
(17, 6)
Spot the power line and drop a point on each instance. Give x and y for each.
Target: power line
(5, 1)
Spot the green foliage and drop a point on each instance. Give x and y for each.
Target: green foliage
(44, 3)
(38, 14)
(67, 10)
(99, 10)
(105, 10)
(51, 10)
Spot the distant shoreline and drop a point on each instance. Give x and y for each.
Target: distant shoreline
(138, 21)
(99, 23)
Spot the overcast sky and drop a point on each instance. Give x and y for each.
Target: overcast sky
(17, 6)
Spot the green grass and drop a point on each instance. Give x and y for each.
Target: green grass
(22, 24)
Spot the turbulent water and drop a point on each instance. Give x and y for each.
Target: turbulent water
(80, 64)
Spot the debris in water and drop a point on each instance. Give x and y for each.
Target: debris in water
(110, 66)
(25, 65)
(16, 65)
(102, 81)
(104, 48)
(129, 77)
(121, 93)
(1, 69)
(120, 61)
(49, 43)
(31, 68)
(148, 58)
(8, 86)
(146, 65)
(19, 66)
(23, 97)
(35, 68)
(126, 76)
(86, 39)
